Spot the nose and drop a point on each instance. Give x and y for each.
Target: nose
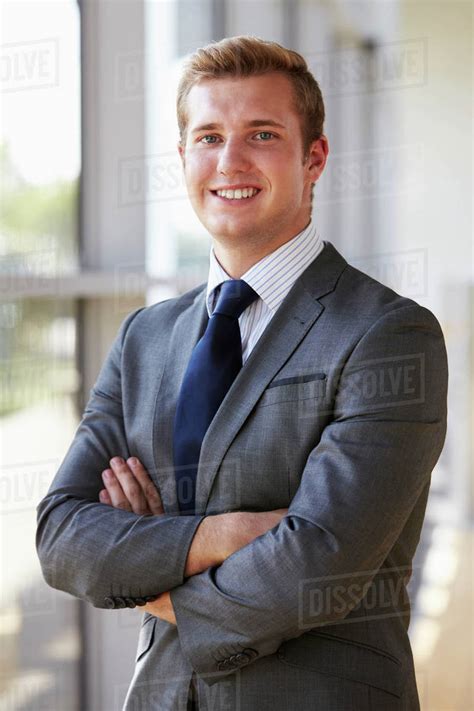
(233, 157)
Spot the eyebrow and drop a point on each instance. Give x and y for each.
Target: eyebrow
(252, 124)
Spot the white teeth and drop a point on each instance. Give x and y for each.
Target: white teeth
(238, 194)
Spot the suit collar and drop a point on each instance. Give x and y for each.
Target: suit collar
(321, 277)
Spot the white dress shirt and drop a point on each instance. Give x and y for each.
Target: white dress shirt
(272, 278)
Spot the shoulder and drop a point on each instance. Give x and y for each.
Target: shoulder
(160, 316)
(360, 299)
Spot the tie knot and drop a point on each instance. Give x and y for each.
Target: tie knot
(234, 297)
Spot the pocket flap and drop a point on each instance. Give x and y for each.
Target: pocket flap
(297, 379)
(299, 388)
(328, 654)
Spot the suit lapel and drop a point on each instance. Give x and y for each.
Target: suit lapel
(296, 315)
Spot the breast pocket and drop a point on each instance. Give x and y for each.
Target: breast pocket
(295, 389)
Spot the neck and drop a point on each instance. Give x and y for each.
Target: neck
(237, 259)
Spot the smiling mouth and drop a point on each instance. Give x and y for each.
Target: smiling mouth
(237, 196)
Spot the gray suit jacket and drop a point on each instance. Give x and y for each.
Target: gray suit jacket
(339, 414)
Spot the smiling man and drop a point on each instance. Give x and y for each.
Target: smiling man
(249, 165)
(253, 464)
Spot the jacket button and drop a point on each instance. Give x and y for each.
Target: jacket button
(251, 653)
(120, 603)
(241, 658)
(130, 602)
(110, 603)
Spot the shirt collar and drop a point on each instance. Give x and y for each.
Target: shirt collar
(268, 276)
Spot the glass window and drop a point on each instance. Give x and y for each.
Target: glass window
(39, 136)
(39, 169)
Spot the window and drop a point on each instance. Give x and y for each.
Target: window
(39, 165)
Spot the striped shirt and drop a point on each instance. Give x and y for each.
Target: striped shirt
(272, 278)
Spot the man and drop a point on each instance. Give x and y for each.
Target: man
(270, 434)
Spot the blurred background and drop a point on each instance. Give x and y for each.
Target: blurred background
(94, 222)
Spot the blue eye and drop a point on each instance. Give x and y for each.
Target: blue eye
(265, 133)
(204, 141)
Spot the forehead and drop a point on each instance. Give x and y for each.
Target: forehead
(228, 98)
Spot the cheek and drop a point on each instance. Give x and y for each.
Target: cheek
(198, 171)
(279, 170)
(284, 183)
(199, 163)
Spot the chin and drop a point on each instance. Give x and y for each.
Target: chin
(229, 229)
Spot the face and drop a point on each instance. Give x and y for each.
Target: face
(244, 137)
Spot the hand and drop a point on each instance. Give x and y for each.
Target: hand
(162, 608)
(128, 486)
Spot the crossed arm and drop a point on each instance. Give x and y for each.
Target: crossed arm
(129, 487)
(96, 552)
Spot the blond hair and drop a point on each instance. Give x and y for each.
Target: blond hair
(245, 56)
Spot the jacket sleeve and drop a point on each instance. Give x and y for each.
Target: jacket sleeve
(94, 551)
(357, 490)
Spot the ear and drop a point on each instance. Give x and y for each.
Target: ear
(317, 157)
(181, 152)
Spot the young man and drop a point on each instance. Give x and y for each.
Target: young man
(270, 434)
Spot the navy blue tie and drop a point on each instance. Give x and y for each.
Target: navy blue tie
(213, 366)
